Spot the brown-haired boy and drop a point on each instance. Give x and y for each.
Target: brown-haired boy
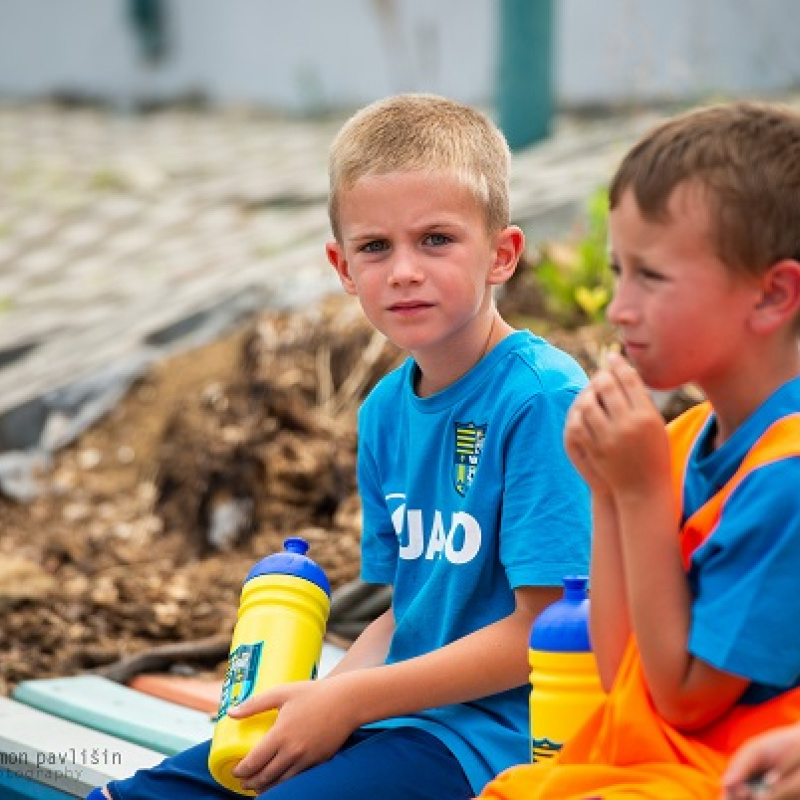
(696, 548)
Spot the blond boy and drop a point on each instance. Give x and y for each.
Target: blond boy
(471, 509)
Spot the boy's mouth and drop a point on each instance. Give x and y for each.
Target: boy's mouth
(633, 349)
(409, 306)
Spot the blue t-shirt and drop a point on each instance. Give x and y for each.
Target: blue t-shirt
(467, 495)
(744, 577)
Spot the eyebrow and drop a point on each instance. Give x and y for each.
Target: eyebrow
(365, 237)
(446, 225)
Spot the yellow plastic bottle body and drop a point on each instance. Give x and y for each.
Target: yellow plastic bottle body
(565, 690)
(277, 639)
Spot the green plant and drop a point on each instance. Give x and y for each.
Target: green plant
(107, 180)
(573, 275)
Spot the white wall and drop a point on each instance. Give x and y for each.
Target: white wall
(628, 50)
(310, 55)
(301, 55)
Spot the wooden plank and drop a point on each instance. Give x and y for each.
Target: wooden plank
(103, 705)
(43, 749)
(202, 695)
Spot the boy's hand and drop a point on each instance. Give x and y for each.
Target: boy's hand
(313, 722)
(576, 444)
(615, 434)
(766, 768)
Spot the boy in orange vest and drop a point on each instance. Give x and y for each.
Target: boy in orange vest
(696, 549)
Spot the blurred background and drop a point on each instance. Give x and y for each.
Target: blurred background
(178, 371)
(311, 57)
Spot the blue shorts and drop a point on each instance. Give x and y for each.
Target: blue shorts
(388, 763)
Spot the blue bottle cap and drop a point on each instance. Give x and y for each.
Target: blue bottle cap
(292, 561)
(563, 627)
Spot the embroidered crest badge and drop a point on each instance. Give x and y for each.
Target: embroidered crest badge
(240, 677)
(467, 453)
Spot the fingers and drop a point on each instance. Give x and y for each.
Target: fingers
(755, 788)
(744, 767)
(262, 765)
(294, 742)
(786, 788)
(615, 435)
(766, 767)
(628, 381)
(577, 432)
(784, 779)
(577, 454)
(266, 701)
(619, 386)
(757, 756)
(615, 394)
(276, 771)
(595, 407)
(272, 761)
(612, 390)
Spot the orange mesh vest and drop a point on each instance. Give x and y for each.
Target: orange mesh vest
(626, 750)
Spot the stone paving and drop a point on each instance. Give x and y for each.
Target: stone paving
(123, 236)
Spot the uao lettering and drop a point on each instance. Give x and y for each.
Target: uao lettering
(457, 539)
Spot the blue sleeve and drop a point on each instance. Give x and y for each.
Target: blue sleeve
(379, 543)
(545, 529)
(746, 609)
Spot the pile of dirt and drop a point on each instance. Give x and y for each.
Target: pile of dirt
(149, 523)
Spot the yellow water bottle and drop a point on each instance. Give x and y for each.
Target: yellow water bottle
(565, 684)
(278, 639)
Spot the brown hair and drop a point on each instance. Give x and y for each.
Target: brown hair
(745, 157)
(425, 133)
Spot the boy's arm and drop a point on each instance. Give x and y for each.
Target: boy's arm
(370, 648)
(609, 620)
(627, 446)
(490, 660)
(688, 692)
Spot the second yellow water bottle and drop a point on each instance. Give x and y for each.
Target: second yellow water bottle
(565, 685)
(278, 639)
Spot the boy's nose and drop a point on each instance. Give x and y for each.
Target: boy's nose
(404, 270)
(613, 309)
(620, 310)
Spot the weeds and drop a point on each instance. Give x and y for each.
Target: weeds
(573, 275)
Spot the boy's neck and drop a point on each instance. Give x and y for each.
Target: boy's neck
(432, 377)
(756, 380)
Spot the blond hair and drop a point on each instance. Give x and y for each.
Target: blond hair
(422, 133)
(745, 158)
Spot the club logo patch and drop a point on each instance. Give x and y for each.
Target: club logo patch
(543, 749)
(469, 439)
(240, 678)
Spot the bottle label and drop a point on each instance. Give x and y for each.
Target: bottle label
(543, 749)
(240, 677)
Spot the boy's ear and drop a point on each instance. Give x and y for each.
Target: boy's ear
(510, 244)
(336, 256)
(779, 303)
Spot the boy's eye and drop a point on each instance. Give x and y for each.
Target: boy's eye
(378, 246)
(644, 273)
(650, 274)
(437, 239)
